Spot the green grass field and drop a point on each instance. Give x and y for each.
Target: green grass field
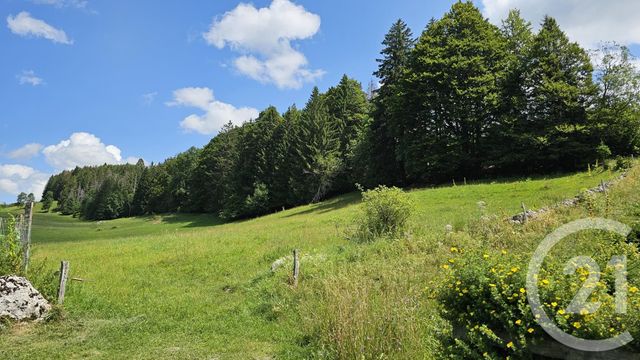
(191, 286)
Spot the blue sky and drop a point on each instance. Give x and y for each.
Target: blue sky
(110, 72)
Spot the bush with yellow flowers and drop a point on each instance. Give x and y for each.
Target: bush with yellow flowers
(485, 300)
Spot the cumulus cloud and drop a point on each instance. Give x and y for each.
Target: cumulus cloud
(588, 22)
(216, 113)
(199, 97)
(29, 77)
(263, 37)
(83, 149)
(16, 178)
(27, 151)
(25, 25)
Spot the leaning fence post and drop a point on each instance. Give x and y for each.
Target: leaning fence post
(524, 213)
(296, 267)
(26, 234)
(64, 274)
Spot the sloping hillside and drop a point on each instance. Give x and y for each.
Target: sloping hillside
(190, 286)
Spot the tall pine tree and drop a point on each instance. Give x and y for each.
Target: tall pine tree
(559, 86)
(384, 166)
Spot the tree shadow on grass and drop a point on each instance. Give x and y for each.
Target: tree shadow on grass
(190, 220)
(330, 205)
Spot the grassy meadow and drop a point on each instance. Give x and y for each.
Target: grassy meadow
(190, 286)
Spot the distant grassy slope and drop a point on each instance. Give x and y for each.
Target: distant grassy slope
(189, 286)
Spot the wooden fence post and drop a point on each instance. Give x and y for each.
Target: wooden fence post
(64, 274)
(524, 214)
(26, 233)
(296, 267)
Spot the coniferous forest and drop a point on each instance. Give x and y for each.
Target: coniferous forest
(465, 99)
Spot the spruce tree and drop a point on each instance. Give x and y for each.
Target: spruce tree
(382, 136)
(348, 107)
(559, 83)
(508, 150)
(317, 148)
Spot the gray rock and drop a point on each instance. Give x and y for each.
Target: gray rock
(19, 300)
(278, 263)
(448, 228)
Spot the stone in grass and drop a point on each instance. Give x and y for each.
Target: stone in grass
(278, 263)
(19, 300)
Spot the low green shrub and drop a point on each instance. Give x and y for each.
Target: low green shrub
(384, 212)
(623, 163)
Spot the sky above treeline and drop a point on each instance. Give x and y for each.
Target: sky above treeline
(87, 82)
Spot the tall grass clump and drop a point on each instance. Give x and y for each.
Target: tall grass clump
(10, 249)
(384, 316)
(384, 212)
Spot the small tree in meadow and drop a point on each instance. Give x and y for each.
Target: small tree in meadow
(22, 198)
(47, 200)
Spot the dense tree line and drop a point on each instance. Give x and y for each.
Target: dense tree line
(465, 99)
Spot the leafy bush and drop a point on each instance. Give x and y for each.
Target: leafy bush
(623, 163)
(10, 249)
(385, 212)
(485, 300)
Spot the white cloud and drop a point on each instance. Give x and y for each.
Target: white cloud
(199, 97)
(16, 178)
(264, 38)
(25, 25)
(216, 113)
(83, 149)
(16, 171)
(26, 152)
(585, 21)
(29, 77)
